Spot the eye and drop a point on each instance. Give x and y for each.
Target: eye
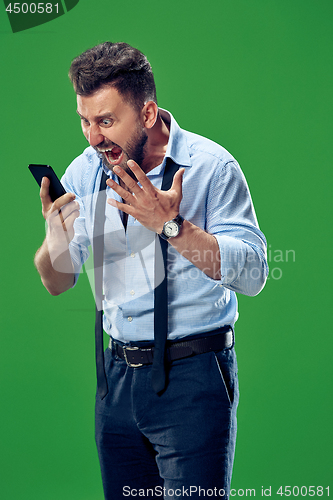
(84, 121)
(106, 122)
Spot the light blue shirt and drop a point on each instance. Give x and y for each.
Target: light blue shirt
(216, 198)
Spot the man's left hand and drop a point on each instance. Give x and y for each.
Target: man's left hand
(147, 204)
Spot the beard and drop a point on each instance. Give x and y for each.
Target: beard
(134, 150)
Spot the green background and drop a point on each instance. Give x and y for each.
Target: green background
(256, 77)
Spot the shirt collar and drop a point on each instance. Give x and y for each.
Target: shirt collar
(177, 148)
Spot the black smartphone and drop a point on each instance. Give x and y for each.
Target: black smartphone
(56, 189)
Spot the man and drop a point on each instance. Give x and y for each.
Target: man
(173, 438)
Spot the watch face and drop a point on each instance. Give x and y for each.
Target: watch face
(171, 229)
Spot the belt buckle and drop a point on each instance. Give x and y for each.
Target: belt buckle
(131, 365)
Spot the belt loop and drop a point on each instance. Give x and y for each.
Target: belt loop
(233, 336)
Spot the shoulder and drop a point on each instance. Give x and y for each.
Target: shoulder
(199, 144)
(191, 149)
(209, 157)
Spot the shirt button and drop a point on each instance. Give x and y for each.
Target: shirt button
(132, 255)
(132, 292)
(130, 318)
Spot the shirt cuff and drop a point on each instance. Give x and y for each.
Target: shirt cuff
(243, 266)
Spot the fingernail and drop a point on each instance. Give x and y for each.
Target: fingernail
(112, 202)
(130, 163)
(117, 170)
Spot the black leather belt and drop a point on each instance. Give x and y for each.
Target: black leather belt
(140, 356)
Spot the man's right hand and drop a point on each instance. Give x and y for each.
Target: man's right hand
(59, 215)
(53, 259)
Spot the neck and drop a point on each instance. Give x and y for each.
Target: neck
(156, 146)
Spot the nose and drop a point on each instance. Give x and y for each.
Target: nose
(94, 136)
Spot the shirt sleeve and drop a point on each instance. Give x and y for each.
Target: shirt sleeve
(231, 219)
(79, 246)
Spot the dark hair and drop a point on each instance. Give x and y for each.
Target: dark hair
(118, 65)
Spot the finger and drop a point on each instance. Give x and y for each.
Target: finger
(66, 212)
(47, 201)
(57, 217)
(69, 208)
(142, 178)
(63, 200)
(178, 181)
(68, 223)
(58, 205)
(45, 195)
(127, 179)
(64, 228)
(123, 193)
(122, 206)
(67, 227)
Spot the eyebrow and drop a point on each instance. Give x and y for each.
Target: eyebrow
(101, 117)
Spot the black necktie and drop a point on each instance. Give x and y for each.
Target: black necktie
(161, 297)
(160, 292)
(98, 249)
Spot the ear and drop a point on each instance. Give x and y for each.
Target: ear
(149, 114)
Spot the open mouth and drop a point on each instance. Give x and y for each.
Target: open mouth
(113, 155)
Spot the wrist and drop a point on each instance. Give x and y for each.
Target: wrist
(172, 228)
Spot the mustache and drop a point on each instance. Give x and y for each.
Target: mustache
(106, 145)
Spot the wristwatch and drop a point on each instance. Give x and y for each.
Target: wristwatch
(172, 228)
